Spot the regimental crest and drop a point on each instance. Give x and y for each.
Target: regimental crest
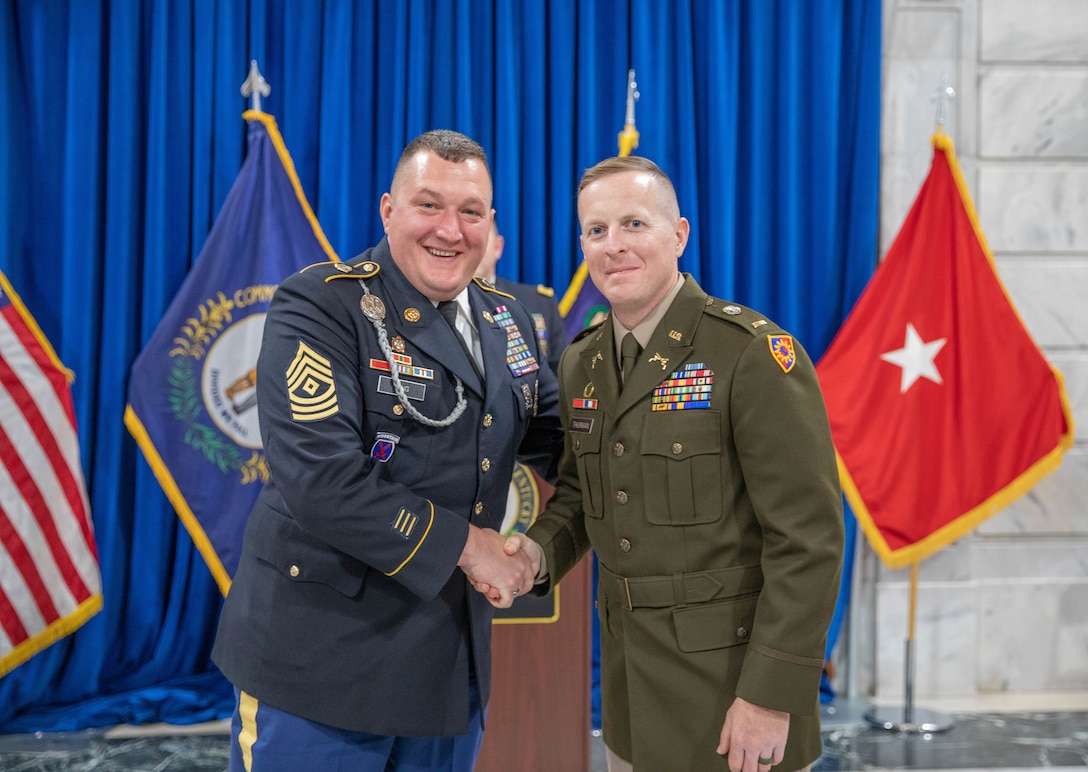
(213, 380)
(782, 350)
(311, 389)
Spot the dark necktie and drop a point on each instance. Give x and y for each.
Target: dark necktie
(629, 351)
(448, 309)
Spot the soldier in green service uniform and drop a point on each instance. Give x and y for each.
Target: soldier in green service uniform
(699, 465)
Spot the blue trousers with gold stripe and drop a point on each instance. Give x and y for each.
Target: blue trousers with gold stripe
(264, 739)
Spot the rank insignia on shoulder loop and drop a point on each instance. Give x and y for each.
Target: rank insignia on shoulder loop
(782, 351)
(311, 389)
(383, 447)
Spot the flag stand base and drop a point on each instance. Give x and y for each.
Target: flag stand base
(920, 720)
(909, 719)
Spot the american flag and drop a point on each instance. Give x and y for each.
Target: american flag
(49, 578)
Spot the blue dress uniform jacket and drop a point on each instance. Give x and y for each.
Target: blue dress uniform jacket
(540, 300)
(708, 488)
(347, 607)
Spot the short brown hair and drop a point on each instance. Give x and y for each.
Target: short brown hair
(448, 145)
(625, 163)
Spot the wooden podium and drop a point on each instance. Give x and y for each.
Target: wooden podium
(538, 719)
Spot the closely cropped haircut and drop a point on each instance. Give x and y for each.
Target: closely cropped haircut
(451, 146)
(625, 163)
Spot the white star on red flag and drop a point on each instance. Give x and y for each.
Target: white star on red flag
(916, 358)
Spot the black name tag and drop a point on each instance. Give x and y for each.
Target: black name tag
(581, 425)
(413, 389)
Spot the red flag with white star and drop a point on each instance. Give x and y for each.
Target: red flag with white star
(942, 408)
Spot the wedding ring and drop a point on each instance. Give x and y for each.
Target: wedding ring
(762, 760)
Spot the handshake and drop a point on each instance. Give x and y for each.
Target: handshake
(500, 568)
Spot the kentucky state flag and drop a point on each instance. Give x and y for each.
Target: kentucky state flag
(192, 397)
(942, 408)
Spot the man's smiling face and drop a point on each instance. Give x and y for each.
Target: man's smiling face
(437, 216)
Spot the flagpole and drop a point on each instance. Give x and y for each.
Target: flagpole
(913, 721)
(628, 138)
(628, 141)
(255, 87)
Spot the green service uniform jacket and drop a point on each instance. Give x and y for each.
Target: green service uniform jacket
(710, 492)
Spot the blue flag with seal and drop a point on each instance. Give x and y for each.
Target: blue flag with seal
(192, 405)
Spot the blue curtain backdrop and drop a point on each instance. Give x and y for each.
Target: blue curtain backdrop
(121, 133)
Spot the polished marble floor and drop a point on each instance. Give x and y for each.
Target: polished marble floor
(977, 736)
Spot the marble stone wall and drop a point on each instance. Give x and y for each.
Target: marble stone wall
(1004, 609)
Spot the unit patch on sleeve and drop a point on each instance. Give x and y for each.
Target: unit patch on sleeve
(383, 447)
(311, 389)
(782, 351)
(689, 388)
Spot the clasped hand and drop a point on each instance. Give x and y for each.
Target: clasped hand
(500, 568)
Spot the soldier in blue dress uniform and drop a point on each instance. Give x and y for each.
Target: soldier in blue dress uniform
(350, 632)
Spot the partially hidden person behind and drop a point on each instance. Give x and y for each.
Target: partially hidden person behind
(538, 298)
(705, 480)
(351, 632)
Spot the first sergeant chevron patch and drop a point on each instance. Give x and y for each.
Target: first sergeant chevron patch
(310, 386)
